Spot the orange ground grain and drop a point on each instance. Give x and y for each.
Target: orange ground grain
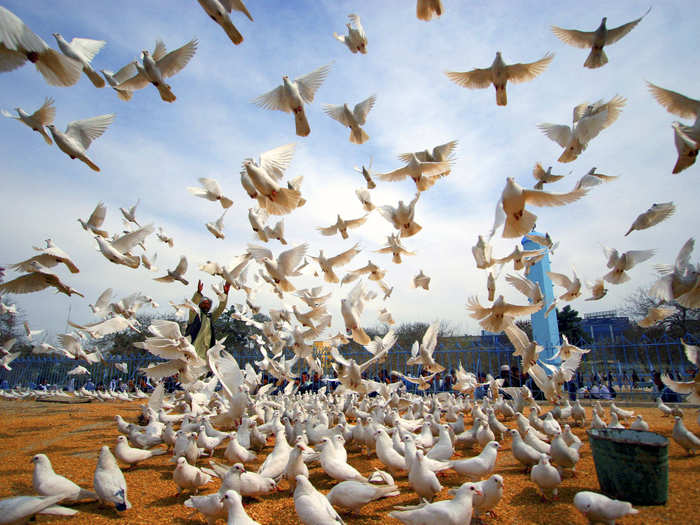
(71, 435)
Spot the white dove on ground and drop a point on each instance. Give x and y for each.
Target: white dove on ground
(234, 509)
(511, 207)
(498, 75)
(356, 39)
(291, 96)
(588, 121)
(83, 50)
(428, 9)
(115, 79)
(18, 44)
(37, 120)
(352, 119)
(130, 455)
(595, 40)
(456, 511)
(264, 177)
(621, 263)
(47, 483)
(546, 477)
(220, 10)
(187, 476)
(158, 66)
(652, 217)
(109, 481)
(79, 135)
(311, 506)
(211, 190)
(37, 279)
(597, 508)
(354, 495)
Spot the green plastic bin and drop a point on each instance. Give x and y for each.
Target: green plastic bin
(632, 465)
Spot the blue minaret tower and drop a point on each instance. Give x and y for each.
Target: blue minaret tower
(545, 331)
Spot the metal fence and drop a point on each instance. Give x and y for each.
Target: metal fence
(614, 362)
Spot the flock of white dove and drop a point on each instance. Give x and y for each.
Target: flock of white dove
(404, 430)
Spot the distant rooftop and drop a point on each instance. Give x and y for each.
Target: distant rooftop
(596, 315)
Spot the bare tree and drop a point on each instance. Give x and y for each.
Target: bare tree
(681, 322)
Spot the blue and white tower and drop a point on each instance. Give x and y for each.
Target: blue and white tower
(545, 330)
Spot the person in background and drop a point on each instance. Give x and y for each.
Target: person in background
(595, 391)
(505, 375)
(90, 385)
(604, 392)
(635, 379)
(201, 326)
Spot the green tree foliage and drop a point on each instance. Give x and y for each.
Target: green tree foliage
(569, 322)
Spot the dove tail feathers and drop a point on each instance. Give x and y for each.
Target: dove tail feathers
(412, 229)
(226, 202)
(685, 161)
(501, 96)
(233, 33)
(283, 202)
(358, 136)
(165, 94)
(123, 94)
(629, 231)
(302, 124)
(597, 58)
(572, 151)
(616, 277)
(520, 227)
(94, 77)
(92, 165)
(87, 494)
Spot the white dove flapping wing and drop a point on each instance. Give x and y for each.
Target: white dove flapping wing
(37, 279)
(572, 285)
(500, 314)
(115, 79)
(595, 40)
(261, 180)
(428, 9)
(37, 120)
(402, 217)
(621, 263)
(95, 221)
(83, 50)
(211, 190)
(653, 216)
(352, 119)
(291, 96)
(511, 207)
(118, 250)
(527, 350)
(79, 135)
(499, 74)
(158, 66)
(686, 148)
(356, 39)
(49, 257)
(423, 173)
(18, 44)
(589, 121)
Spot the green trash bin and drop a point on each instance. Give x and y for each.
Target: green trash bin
(632, 465)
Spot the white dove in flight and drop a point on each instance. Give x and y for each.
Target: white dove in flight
(286, 264)
(572, 285)
(83, 50)
(264, 176)
(498, 75)
(79, 135)
(291, 96)
(115, 79)
(95, 221)
(423, 173)
(402, 217)
(48, 257)
(159, 66)
(219, 11)
(395, 248)
(352, 119)
(341, 226)
(588, 121)
(653, 216)
(544, 177)
(595, 40)
(686, 148)
(37, 120)
(429, 9)
(118, 250)
(356, 39)
(176, 274)
(500, 314)
(365, 198)
(367, 174)
(511, 207)
(210, 190)
(217, 228)
(327, 264)
(420, 280)
(37, 279)
(620, 263)
(18, 44)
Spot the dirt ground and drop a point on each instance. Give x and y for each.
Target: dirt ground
(71, 436)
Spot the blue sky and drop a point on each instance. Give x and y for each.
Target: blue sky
(154, 150)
